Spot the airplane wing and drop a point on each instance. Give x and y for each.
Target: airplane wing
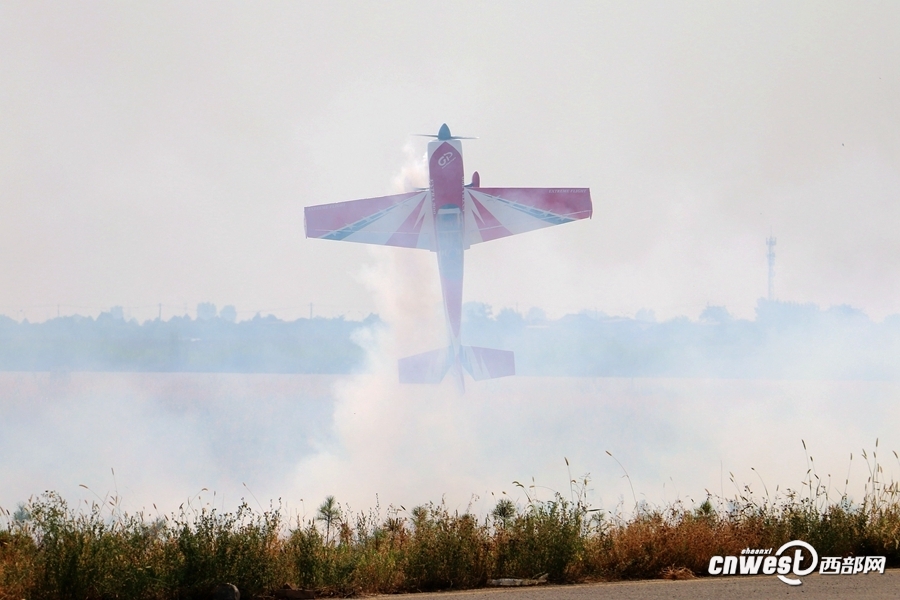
(493, 213)
(403, 220)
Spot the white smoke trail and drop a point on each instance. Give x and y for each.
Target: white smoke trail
(167, 435)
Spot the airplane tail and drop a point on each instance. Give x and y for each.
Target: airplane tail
(428, 367)
(481, 363)
(487, 363)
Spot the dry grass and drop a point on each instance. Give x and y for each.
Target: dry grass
(50, 550)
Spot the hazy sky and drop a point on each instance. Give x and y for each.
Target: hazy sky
(163, 152)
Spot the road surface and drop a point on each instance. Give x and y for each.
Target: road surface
(871, 586)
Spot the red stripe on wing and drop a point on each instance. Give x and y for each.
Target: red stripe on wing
(488, 225)
(407, 235)
(574, 203)
(323, 219)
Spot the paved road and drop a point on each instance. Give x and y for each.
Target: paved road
(871, 586)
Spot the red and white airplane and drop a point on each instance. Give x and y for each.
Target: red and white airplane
(447, 218)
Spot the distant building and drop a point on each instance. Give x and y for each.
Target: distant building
(206, 311)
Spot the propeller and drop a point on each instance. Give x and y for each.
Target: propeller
(443, 134)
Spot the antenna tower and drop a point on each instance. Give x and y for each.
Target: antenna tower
(770, 243)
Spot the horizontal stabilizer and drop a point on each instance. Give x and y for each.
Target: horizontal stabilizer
(481, 363)
(428, 367)
(487, 363)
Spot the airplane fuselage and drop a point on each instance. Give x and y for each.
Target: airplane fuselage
(447, 183)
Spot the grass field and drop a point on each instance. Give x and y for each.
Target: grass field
(48, 549)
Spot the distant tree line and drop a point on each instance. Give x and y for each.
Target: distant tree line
(210, 343)
(785, 340)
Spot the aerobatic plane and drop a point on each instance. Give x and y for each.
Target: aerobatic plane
(447, 218)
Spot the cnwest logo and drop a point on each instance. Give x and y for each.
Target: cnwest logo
(762, 561)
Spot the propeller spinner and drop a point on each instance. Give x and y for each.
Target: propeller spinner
(443, 134)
